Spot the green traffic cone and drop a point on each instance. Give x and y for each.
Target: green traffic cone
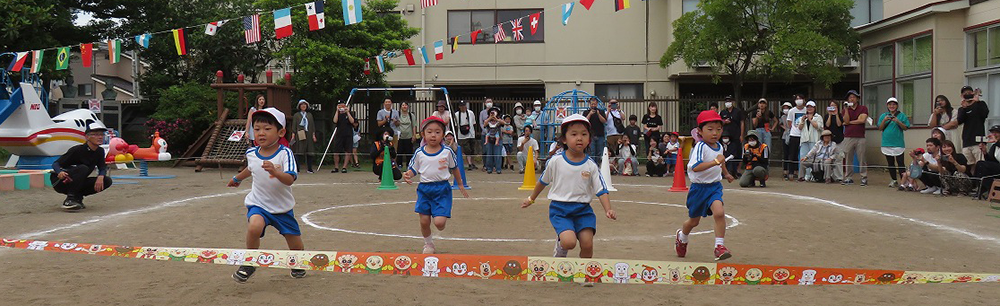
(387, 182)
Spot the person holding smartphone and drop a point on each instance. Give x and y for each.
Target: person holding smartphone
(892, 123)
(972, 115)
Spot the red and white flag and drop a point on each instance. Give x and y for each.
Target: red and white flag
(533, 22)
(18, 61)
(317, 19)
(368, 67)
(213, 27)
(499, 34)
(251, 28)
(428, 3)
(517, 29)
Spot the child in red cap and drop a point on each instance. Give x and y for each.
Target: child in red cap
(705, 197)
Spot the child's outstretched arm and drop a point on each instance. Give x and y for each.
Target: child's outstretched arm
(235, 182)
(534, 195)
(458, 181)
(606, 203)
(725, 172)
(408, 176)
(719, 160)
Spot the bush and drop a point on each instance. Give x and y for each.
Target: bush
(184, 112)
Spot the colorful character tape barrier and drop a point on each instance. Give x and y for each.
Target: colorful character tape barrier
(543, 269)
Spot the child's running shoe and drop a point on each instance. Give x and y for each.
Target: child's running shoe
(680, 247)
(722, 253)
(244, 273)
(298, 273)
(559, 251)
(429, 248)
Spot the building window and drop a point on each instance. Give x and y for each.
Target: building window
(915, 56)
(874, 96)
(618, 91)
(465, 22)
(866, 11)
(984, 48)
(915, 98)
(85, 90)
(689, 6)
(878, 63)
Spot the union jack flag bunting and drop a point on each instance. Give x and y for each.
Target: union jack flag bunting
(517, 29)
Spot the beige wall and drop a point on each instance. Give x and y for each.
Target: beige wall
(598, 46)
(895, 7)
(983, 12)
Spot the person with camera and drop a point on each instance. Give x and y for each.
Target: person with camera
(732, 124)
(972, 115)
(466, 120)
(524, 144)
(304, 134)
(835, 123)
(943, 115)
(343, 136)
(925, 163)
(989, 167)
(855, 117)
(755, 156)
(810, 126)
(892, 123)
(378, 154)
(954, 171)
(792, 118)
(597, 121)
(763, 121)
(627, 156)
(615, 126)
(493, 155)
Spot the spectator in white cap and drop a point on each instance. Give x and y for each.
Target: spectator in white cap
(809, 125)
(520, 117)
(71, 172)
(892, 123)
(533, 118)
(304, 134)
(794, 133)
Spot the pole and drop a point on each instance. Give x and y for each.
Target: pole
(423, 42)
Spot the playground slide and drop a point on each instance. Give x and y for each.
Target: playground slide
(8, 106)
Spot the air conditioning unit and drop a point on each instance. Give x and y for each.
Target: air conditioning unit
(701, 64)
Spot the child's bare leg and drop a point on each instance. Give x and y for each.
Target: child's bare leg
(720, 219)
(689, 225)
(586, 243)
(567, 239)
(439, 222)
(425, 225)
(255, 226)
(294, 242)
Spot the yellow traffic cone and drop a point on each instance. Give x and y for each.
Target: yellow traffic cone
(529, 172)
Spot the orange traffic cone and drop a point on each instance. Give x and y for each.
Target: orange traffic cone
(680, 180)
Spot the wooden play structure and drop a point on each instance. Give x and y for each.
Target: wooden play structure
(214, 148)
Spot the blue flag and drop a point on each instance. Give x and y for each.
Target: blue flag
(352, 11)
(143, 39)
(567, 10)
(423, 53)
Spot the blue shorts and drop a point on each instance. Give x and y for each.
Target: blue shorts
(434, 199)
(701, 197)
(285, 223)
(572, 216)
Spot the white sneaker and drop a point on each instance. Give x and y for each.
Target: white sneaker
(937, 191)
(429, 248)
(893, 184)
(927, 190)
(559, 251)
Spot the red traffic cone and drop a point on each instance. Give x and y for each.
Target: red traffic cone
(680, 180)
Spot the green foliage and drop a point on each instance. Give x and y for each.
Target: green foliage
(329, 62)
(194, 104)
(36, 24)
(766, 38)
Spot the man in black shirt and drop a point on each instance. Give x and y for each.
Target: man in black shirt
(973, 115)
(343, 137)
(732, 125)
(72, 170)
(597, 122)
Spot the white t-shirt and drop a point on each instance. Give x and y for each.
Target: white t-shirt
(929, 158)
(530, 143)
(951, 134)
(572, 182)
(268, 192)
(672, 147)
(559, 149)
(794, 115)
(433, 166)
(626, 151)
(468, 118)
(702, 152)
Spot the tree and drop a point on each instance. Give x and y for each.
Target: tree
(766, 39)
(39, 24)
(329, 62)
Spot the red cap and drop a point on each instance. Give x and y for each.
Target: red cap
(423, 124)
(708, 116)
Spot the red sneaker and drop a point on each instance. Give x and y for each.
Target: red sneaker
(722, 253)
(680, 247)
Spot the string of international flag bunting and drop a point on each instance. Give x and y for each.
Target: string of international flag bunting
(283, 28)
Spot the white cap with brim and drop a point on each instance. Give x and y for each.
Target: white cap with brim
(303, 101)
(789, 104)
(537, 102)
(811, 103)
(96, 127)
(891, 100)
(277, 114)
(574, 118)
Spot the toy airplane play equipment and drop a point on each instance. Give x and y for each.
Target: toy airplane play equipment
(27, 131)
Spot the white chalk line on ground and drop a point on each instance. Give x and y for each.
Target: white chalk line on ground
(307, 220)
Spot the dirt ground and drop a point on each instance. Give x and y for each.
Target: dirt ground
(873, 227)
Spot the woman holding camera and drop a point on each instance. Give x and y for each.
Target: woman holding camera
(892, 124)
(378, 156)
